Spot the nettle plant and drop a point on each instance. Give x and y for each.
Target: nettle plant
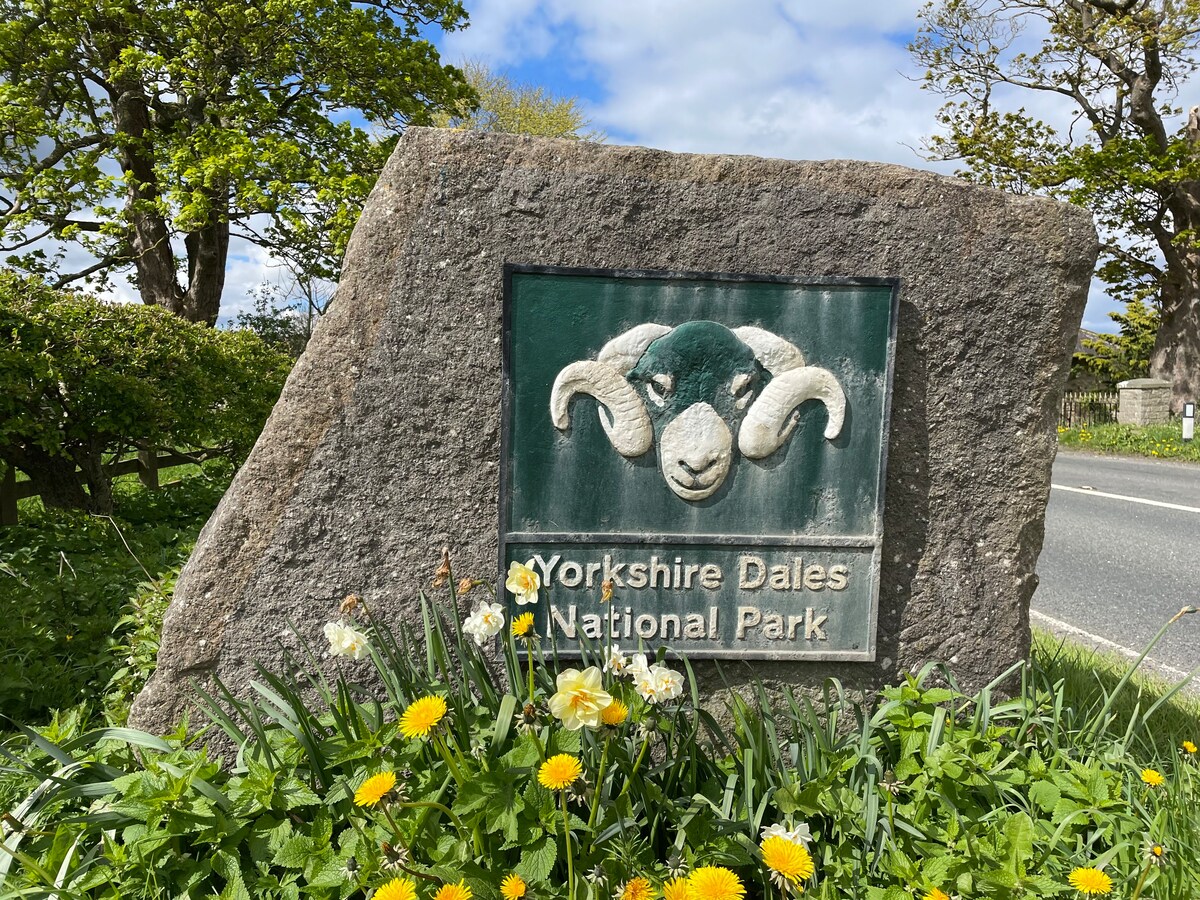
(598, 776)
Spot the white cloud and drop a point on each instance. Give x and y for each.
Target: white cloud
(796, 79)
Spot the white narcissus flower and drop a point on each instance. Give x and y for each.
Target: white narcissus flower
(345, 640)
(580, 698)
(657, 683)
(523, 583)
(637, 666)
(617, 661)
(800, 835)
(485, 622)
(670, 682)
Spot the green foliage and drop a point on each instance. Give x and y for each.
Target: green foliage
(82, 382)
(1125, 151)
(504, 106)
(134, 128)
(1155, 441)
(1116, 358)
(82, 597)
(921, 788)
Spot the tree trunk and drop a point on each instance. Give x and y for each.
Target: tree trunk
(1177, 346)
(150, 239)
(208, 251)
(56, 480)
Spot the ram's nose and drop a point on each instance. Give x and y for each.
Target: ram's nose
(699, 460)
(696, 451)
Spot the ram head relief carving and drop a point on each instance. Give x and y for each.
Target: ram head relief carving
(697, 390)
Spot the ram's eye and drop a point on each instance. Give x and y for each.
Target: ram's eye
(660, 388)
(740, 388)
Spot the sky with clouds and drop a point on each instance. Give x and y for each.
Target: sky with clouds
(797, 79)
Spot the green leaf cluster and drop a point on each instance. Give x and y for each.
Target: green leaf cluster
(83, 382)
(126, 126)
(918, 789)
(512, 108)
(1116, 358)
(82, 597)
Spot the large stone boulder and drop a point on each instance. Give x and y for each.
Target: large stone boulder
(384, 446)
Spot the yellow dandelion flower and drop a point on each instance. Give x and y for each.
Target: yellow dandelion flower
(453, 892)
(715, 883)
(1152, 777)
(375, 789)
(675, 889)
(559, 772)
(615, 713)
(422, 716)
(637, 889)
(522, 625)
(1189, 747)
(788, 859)
(1090, 881)
(935, 894)
(513, 887)
(397, 889)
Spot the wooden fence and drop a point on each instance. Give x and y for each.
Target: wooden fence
(145, 465)
(1085, 409)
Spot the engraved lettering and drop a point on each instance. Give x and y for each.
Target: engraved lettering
(637, 575)
(570, 574)
(565, 626)
(780, 578)
(812, 626)
(814, 578)
(748, 617)
(839, 577)
(613, 573)
(646, 626)
(748, 581)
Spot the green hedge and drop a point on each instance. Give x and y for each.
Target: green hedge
(83, 382)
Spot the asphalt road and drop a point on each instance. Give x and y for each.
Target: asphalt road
(1113, 570)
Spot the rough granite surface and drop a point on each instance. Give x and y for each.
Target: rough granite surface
(384, 445)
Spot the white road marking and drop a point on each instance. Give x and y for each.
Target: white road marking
(1104, 643)
(1091, 492)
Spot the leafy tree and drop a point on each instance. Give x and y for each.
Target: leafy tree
(83, 381)
(1113, 358)
(511, 108)
(285, 312)
(151, 132)
(1129, 154)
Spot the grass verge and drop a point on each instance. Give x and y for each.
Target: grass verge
(81, 596)
(1153, 441)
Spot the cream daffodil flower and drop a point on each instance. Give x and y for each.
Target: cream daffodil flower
(523, 583)
(580, 698)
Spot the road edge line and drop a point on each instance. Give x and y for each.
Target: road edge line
(1091, 493)
(1103, 643)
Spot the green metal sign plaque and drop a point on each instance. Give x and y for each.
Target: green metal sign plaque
(712, 445)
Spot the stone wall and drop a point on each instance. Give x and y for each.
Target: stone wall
(1144, 401)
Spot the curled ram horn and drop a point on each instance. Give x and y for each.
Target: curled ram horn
(775, 354)
(769, 421)
(623, 352)
(622, 414)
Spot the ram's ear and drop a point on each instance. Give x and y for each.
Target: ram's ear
(621, 411)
